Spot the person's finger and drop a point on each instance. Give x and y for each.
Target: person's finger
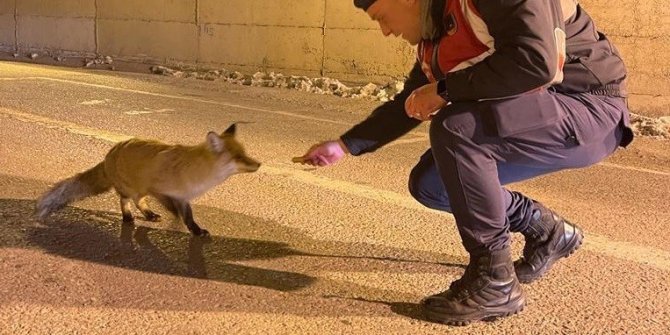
(418, 109)
(312, 150)
(299, 159)
(321, 161)
(409, 105)
(414, 112)
(314, 160)
(307, 158)
(310, 156)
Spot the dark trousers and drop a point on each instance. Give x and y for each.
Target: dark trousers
(477, 147)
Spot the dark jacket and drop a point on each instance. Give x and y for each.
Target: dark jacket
(495, 49)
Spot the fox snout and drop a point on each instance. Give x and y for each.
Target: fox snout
(248, 165)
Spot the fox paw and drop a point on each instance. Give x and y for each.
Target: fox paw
(152, 217)
(128, 219)
(202, 233)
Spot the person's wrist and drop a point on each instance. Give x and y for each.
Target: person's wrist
(343, 146)
(442, 90)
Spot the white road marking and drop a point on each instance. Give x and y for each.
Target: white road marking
(94, 102)
(205, 101)
(150, 111)
(632, 168)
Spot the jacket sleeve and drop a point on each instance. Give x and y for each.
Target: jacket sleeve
(387, 122)
(525, 56)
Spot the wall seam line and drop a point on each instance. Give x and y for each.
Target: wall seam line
(323, 39)
(16, 26)
(198, 56)
(95, 29)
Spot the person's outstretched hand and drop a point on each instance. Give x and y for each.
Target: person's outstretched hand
(323, 154)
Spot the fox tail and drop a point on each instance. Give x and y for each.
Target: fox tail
(83, 185)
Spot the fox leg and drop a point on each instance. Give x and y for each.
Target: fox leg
(186, 214)
(141, 203)
(181, 209)
(126, 210)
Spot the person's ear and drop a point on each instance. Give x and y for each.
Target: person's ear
(409, 3)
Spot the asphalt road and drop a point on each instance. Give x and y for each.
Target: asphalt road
(295, 250)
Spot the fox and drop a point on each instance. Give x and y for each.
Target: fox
(172, 174)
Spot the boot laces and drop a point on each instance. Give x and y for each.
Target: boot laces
(470, 285)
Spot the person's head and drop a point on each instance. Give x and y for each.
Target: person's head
(409, 19)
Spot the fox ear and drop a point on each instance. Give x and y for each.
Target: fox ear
(231, 130)
(215, 142)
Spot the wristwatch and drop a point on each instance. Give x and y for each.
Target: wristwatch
(442, 89)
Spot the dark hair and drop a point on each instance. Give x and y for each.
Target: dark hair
(437, 16)
(363, 4)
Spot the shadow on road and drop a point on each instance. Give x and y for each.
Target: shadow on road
(100, 237)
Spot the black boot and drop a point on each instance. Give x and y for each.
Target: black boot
(548, 239)
(488, 289)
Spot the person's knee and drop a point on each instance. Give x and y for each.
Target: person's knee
(424, 190)
(414, 185)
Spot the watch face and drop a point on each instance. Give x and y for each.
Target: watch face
(442, 89)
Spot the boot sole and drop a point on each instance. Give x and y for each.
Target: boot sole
(485, 314)
(568, 250)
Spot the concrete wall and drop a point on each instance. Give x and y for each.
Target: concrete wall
(641, 31)
(310, 37)
(7, 24)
